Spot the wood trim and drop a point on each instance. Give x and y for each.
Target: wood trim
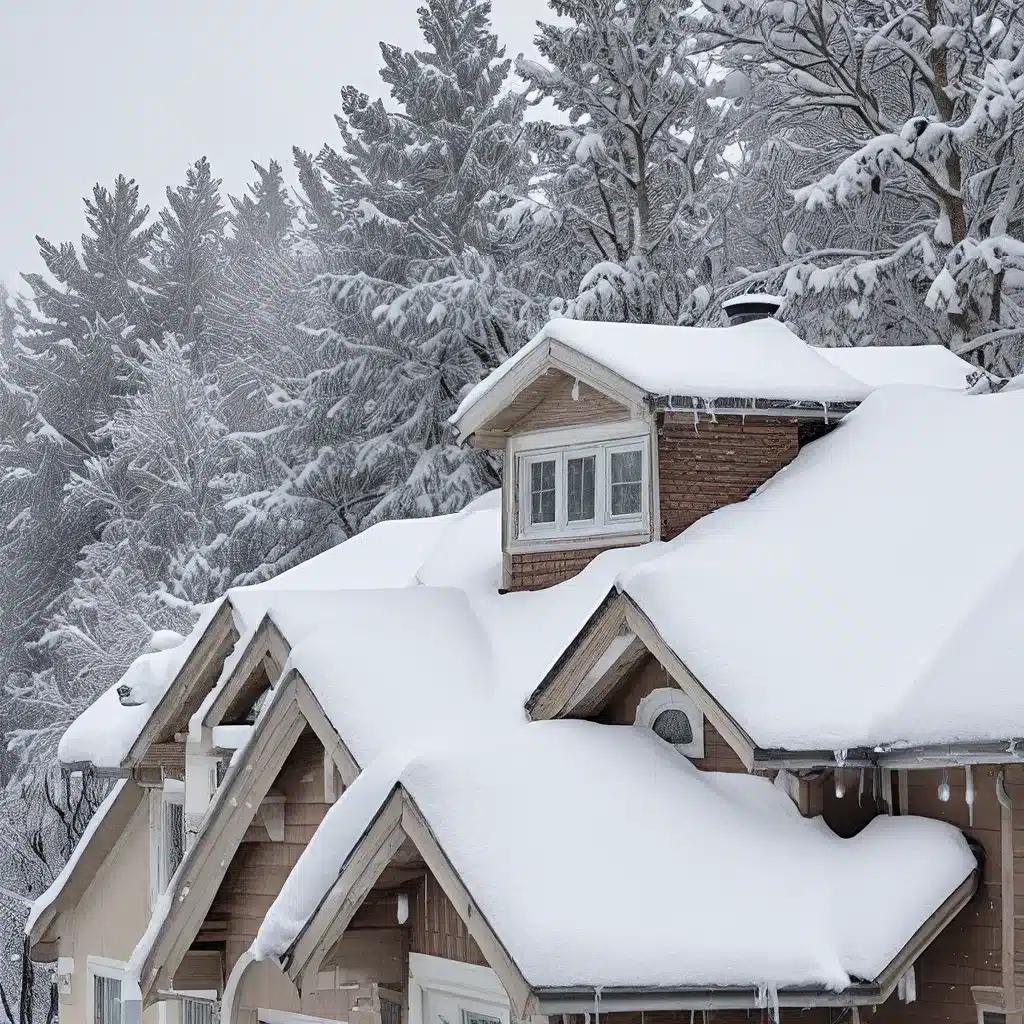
(553, 698)
(364, 865)
(727, 726)
(524, 1002)
(206, 862)
(1007, 893)
(926, 934)
(202, 667)
(91, 856)
(268, 649)
(335, 746)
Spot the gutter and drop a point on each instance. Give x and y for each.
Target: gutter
(936, 755)
(578, 999)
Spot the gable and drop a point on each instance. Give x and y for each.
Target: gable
(236, 806)
(549, 402)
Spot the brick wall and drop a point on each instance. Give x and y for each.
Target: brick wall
(705, 465)
(534, 570)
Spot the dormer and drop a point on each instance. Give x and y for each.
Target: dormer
(620, 434)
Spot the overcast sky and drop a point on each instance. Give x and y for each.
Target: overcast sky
(145, 87)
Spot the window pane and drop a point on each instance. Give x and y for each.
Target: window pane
(542, 492)
(626, 470)
(580, 488)
(106, 1000)
(174, 838)
(627, 467)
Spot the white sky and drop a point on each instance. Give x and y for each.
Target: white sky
(145, 87)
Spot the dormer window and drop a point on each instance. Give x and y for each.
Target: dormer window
(581, 484)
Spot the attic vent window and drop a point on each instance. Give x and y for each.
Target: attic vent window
(579, 490)
(673, 726)
(674, 718)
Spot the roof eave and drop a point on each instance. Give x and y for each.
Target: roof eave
(578, 999)
(936, 755)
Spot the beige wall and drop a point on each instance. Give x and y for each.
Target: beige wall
(111, 917)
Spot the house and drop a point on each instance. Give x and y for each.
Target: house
(674, 722)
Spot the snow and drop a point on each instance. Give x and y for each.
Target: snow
(46, 899)
(759, 359)
(876, 366)
(851, 600)
(721, 854)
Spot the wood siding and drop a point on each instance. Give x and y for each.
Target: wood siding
(707, 464)
(436, 928)
(649, 675)
(259, 868)
(548, 403)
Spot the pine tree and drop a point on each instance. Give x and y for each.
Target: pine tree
(188, 261)
(423, 298)
(628, 199)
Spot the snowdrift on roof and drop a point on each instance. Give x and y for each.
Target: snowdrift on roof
(759, 359)
(720, 856)
(879, 365)
(866, 590)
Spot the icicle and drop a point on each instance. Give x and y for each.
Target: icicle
(576, 391)
(860, 789)
(824, 406)
(944, 787)
(907, 987)
(969, 793)
(840, 784)
(773, 1003)
(696, 414)
(597, 1004)
(840, 756)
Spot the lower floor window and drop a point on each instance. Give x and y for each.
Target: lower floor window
(196, 1011)
(106, 999)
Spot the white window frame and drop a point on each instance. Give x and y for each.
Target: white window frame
(172, 793)
(470, 982)
(560, 446)
(101, 967)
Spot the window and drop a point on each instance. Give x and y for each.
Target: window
(167, 835)
(105, 979)
(196, 1011)
(578, 491)
(674, 718)
(993, 1017)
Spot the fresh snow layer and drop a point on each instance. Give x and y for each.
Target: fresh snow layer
(758, 359)
(868, 588)
(932, 365)
(45, 900)
(387, 555)
(683, 868)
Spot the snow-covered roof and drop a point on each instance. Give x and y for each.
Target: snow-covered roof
(685, 869)
(878, 365)
(387, 555)
(869, 594)
(759, 359)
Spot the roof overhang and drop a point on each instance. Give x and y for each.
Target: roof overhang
(399, 818)
(589, 670)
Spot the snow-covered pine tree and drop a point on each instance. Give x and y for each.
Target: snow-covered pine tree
(928, 98)
(423, 303)
(188, 263)
(628, 197)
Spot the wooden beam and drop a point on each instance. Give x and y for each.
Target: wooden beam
(334, 745)
(520, 993)
(234, 809)
(727, 726)
(193, 682)
(364, 866)
(267, 651)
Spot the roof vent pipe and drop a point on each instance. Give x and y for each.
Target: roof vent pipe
(752, 306)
